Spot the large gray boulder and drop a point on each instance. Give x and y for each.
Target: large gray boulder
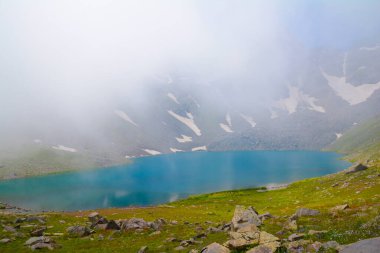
(365, 246)
(134, 223)
(78, 231)
(40, 242)
(245, 217)
(215, 248)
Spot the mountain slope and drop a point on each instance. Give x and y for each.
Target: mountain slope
(361, 142)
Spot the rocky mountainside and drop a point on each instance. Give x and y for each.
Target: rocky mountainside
(307, 106)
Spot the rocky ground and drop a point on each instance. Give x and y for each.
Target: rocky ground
(328, 214)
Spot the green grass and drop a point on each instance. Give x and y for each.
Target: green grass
(361, 143)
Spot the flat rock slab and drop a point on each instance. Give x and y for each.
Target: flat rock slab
(365, 246)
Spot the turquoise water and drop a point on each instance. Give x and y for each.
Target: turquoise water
(159, 179)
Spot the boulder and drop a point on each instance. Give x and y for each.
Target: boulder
(265, 216)
(368, 246)
(356, 168)
(93, 217)
(78, 231)
(112, 225)
(241, 240)
(5, 240)
(215, 248)
(244, 217)
(261, 249)
(9, 229)
(297, 246)
(305, 212)
(314, 247)
(39, 219)
(42, 245)
(295, 237)
(290, 225)
(158, 224)
(40, 242)
(38, 232)
(267, 238)
(133, 224)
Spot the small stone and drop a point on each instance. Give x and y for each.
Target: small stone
(340, 207)
(316, 232)
(155, 233)
(20, 220)
(38, 231)
(305, 212)
(314, 247)
(179, 248)
(143, 249)
(172, 239)
(5, 240)
(39, 219)
(265, 216)
(295, 237)
(330, 245)
(9, 229)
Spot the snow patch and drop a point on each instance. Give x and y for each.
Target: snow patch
(152, 152)
(249, 120)
(184, 138)
(188, 121)
(377, 47)
(228, 119)
(201, 148)
(125, 117)
(64, 148)
(296, 97)
(338, 135)
(174, 150)
(226, 128)
(352, 94)
(172, 97)
(37, 141)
